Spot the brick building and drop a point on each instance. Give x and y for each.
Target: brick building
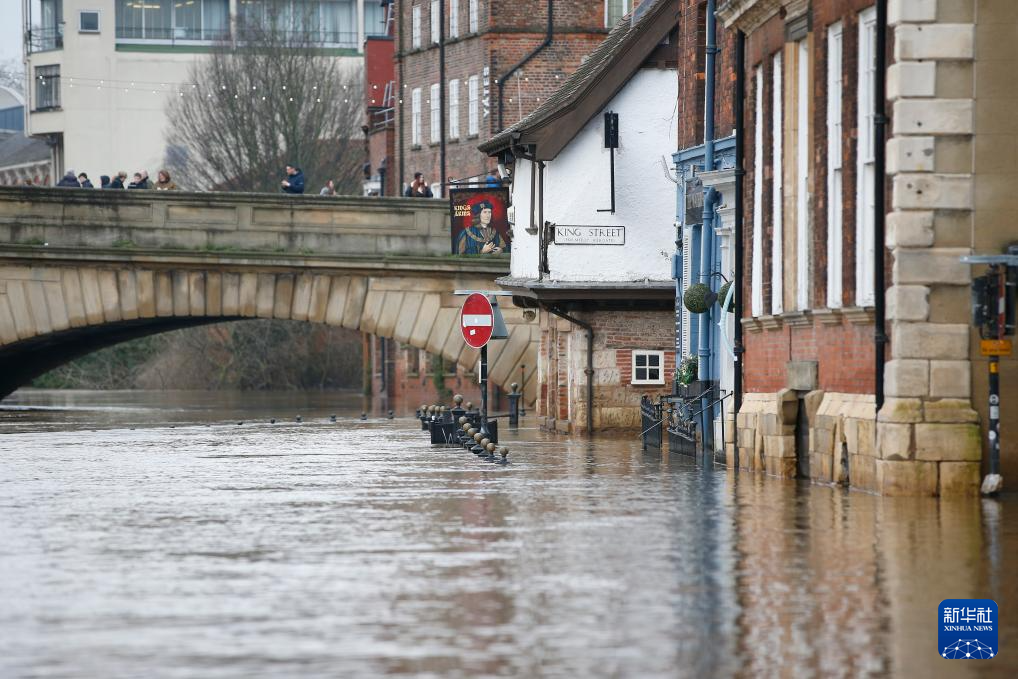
(593, 227)
(502, 58)
(859, 365)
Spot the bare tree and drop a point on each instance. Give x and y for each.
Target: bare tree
(275, 97)
(12, 75)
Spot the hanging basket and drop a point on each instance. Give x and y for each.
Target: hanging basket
(723, 293)
(697, 298)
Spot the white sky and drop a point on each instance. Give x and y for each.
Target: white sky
(10, 30)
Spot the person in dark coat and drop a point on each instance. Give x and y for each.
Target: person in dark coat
(84, 181)
(69, 181)
(104, 181)
(419, 188)
(294, 182)
(137, 182)
(118, 181)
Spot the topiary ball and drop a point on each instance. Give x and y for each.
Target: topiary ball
(723, 293)
(695, 298)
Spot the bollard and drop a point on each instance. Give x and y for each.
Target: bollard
(483, 444)
(272, 421)
(490, 451)
(300, 419)
(504, 452)
(514, 405)
(476, 449)
(390, 415)
(240, 423)
(468, 443)
(470, 406)
(332, 418)
(364, 415)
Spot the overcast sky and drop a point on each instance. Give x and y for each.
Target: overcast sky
(10, 30)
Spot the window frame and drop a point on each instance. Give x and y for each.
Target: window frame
(435, 114)
(98, 21)
(660, 367)
(835, 168)
(435, 23)
(415, 117)
(627, 6)
(473, 106)
(415, 27)
(803, 235)
(222, 33)
(454, 109)
(865, 163)
(777, 186)
(454, 19)
(473, 16)
(50, 81)
(756, 276)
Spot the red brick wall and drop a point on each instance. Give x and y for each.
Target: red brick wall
(844, 354)
(692, 63)
(844, 351)
(508, 30)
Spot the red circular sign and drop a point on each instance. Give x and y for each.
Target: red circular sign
(477, 320)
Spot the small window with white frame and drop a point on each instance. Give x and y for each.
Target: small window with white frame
(436, 25)
(648, 367)
(615, 10)
(415, 27)
(88, 21)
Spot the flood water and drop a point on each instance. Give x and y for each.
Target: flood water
(151, 535)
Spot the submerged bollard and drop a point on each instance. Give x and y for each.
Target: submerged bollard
(490, 451)
(504, 452)
(390, 415)
(364, 415)
(332, 418)
(272, 421)
(514, 405)
(300, 418)
(468, 442)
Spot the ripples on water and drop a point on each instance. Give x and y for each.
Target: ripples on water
(129, 548)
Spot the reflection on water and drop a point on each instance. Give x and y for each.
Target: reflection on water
(171, 541)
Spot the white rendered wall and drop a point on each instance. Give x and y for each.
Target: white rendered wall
(524, 253)
(577, 184)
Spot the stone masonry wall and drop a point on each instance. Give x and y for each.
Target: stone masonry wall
(927, 432)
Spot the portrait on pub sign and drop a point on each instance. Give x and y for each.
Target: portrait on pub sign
(480, 224)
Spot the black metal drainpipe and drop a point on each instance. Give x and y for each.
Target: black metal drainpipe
(441, 96)
(549, 33)
(590, 362)
(879, 134)
(401, 176)
(740, 173)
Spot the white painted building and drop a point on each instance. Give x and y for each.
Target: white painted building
(100, 72)
(591, 249)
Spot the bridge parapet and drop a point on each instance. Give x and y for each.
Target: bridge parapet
(223, 222)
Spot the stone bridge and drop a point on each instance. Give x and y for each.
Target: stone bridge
(84, 269)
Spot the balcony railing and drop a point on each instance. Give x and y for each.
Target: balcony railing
(41, 39)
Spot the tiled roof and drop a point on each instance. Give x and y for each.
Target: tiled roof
(17, 149)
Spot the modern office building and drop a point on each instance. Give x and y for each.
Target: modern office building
(101, 72)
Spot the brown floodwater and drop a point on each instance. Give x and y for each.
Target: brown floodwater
(151, 535)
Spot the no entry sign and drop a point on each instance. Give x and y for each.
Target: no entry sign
(476, 320)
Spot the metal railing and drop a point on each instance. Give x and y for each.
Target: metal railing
(42, 39)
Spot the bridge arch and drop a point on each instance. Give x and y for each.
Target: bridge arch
(53, 313)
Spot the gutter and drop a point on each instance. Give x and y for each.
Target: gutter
(589, 371)
(879, 166)
(549, 33)
(442, 172)
(740, 173)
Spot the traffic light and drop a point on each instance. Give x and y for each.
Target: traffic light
(993, 301)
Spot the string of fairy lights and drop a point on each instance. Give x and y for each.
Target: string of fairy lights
(181, 89)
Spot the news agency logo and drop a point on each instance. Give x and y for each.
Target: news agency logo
(968, 629)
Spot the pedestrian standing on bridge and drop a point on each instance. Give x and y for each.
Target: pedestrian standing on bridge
(104, 181)
(329, 189)
(419, 188)
(69, 181)
(137, 182)
(118, 181)
(84, 182)
(165, 183)
(294, 182)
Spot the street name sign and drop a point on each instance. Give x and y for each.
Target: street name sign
(477, 320)
(570, 234)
